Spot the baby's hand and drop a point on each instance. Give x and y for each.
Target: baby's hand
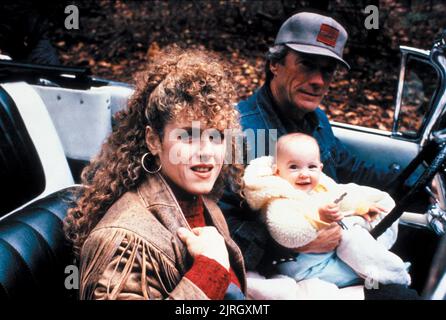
(373, 212)
(330, 213)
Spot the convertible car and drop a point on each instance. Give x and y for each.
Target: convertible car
(54, 119)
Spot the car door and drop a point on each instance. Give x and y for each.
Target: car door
(419, 105)
(418, 81)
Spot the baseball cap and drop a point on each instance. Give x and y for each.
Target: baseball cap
(314, 34)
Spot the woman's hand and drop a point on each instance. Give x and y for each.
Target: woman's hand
(206, 241)
(327, 240)
(330, 213)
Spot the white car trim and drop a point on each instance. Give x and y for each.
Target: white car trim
(44, 136)
(359, 128)
(83, 112)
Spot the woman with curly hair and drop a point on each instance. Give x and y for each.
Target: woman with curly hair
(146, 225)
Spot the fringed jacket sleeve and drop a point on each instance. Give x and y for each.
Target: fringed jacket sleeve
(117, 264)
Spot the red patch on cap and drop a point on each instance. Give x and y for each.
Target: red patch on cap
(328, 35)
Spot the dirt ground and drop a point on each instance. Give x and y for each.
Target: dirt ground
(117, 38)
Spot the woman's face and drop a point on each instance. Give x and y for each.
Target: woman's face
(191, 155)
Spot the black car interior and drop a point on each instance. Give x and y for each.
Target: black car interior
(34, 252)
(21, 172)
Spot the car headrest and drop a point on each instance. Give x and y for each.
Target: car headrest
(20, 166)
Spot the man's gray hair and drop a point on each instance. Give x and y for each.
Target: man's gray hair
(275, 54)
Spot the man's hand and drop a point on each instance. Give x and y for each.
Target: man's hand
(206, 241)
(327, 240)
(374, 212)
(330, 213)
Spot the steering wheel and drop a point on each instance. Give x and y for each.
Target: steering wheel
(435, 154)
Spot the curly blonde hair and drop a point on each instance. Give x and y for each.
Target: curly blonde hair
(189, 85)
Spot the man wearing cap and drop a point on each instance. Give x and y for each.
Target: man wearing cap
(299, 68)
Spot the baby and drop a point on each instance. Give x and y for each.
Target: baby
(297, 200)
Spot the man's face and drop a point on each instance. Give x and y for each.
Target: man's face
(301, 81)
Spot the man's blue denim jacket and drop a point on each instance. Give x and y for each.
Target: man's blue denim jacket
(258, 113)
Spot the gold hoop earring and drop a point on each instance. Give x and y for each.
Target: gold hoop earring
(143, 158)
